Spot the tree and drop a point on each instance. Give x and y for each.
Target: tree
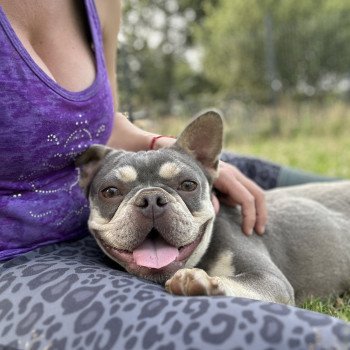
(309, 45)
(155, 40)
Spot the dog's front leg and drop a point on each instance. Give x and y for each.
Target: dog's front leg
(264, 286)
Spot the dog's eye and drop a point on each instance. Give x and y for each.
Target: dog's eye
(188, 186)
(110, 192)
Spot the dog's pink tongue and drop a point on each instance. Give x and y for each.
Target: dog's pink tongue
(155, 253)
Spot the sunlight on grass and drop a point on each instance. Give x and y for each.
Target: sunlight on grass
(321, 154)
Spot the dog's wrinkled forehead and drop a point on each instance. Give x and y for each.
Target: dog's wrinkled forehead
(196, 151)
(149, 167)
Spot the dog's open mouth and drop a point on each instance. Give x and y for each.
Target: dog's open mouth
(154, 252)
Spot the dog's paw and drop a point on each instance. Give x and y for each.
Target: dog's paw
(194, 282)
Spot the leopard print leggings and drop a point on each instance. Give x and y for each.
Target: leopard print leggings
(69, 296)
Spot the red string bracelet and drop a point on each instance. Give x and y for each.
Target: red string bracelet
(155, 138)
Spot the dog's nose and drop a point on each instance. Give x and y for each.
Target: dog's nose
(151, 204)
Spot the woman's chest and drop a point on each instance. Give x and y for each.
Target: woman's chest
(57, 36)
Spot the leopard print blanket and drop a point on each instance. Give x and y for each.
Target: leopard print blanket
(68, 296)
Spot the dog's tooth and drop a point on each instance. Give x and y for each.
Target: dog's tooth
(126, 173)
(169, 170)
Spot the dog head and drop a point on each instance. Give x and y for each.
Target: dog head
(151, 211)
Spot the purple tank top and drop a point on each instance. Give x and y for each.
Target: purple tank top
(43, 127)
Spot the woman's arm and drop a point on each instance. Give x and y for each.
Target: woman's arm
(124, 135)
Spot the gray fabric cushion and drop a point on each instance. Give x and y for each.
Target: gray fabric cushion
(69, 296)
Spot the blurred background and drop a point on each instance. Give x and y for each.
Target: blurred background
(279, 70)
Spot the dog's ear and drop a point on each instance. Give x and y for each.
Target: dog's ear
(89, 163)
(203, 139)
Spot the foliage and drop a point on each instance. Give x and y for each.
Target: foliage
(266, 46)
(155, 42)
(176, 50)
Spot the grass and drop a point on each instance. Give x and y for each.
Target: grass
(311, 137)
(328, 155)
(308, 136)
(333, 306)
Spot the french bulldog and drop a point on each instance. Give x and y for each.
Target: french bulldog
(151, 212)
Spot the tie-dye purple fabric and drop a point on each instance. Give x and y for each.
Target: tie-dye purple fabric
(42, 129)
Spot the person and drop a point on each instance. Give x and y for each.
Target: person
(58, 97)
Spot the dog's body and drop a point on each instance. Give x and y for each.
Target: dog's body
(151, 212)
(305, 250)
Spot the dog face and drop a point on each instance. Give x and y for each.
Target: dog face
(151, 211)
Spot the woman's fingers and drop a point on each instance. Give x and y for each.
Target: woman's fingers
(237, 189)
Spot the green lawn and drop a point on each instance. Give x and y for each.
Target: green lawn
(326, 154)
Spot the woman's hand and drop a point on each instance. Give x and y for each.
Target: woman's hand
(236, 189)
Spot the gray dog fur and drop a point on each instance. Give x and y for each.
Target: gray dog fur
(162, 198)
